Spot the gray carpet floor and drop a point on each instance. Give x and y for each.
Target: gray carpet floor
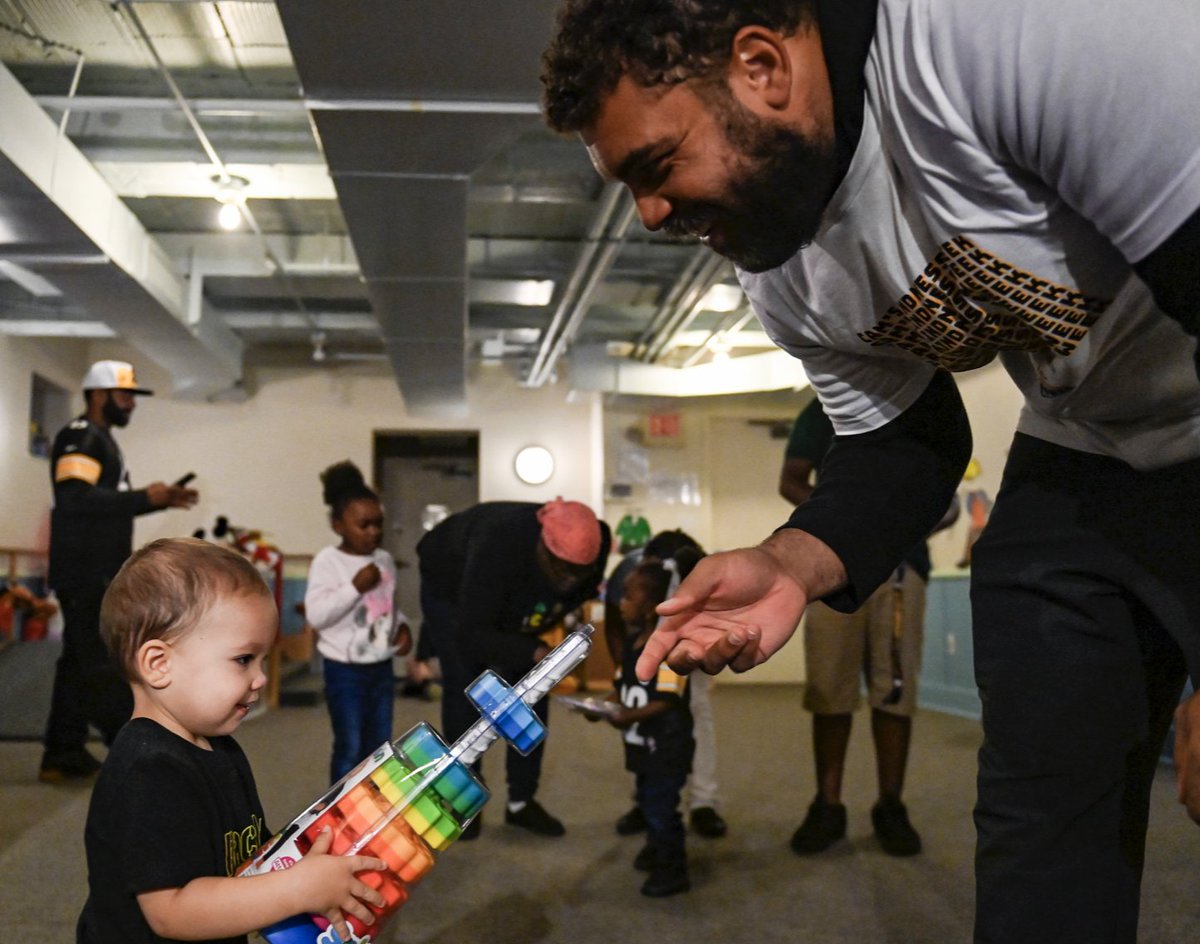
(513, 888)
(26, 679)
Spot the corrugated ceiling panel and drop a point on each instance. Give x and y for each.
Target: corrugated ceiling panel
(401, 50)
(90, 26)
(415, 142)
(253, 25)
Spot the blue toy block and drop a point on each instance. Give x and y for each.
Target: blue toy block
(505, 710)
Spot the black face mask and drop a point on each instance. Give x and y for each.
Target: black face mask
(113, 414)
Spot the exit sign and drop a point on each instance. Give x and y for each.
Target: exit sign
(664, 429)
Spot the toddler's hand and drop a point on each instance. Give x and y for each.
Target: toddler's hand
(403, 640)
(328, 885)
(367, 579)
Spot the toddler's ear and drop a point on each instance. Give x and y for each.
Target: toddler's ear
(154, 663)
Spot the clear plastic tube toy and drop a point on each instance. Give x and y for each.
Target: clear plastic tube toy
(413, 797)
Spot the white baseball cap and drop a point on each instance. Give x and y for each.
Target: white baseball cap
(113, 375)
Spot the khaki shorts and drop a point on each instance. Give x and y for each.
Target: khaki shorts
(841, 648)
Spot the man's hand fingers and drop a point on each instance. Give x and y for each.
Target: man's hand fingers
(684, 658)
(676, 604)
(1187, 757)
(660, 643)
(749, 654)
(730, 651)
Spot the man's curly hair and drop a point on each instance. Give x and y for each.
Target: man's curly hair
(655, 42)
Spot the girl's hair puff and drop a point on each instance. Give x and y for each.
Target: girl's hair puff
(342, 483)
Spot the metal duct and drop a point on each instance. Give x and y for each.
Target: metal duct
(62, 220)
(401, 175)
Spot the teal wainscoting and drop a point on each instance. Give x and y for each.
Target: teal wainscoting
(948, 669)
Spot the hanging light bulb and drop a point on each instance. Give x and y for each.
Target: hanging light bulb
(318, 343)
(231, 195)
(229, 217)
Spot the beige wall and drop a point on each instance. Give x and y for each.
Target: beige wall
(257, 461)
(740, 462)
(993, 404)
(24, 522)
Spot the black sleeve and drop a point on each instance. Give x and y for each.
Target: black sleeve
(1172, 272)
(79, 498)
(84, 499)
(881, 492)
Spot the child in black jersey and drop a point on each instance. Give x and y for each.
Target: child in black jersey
(175, 809)
(657, 726)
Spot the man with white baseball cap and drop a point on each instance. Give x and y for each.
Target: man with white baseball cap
(91, 535)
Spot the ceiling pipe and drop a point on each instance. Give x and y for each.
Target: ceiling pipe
(213, 157)
(609, 201)
(730, 324)
(284, 106)
(211, 152)
(579, 312)
(670, 301)
(687, 308)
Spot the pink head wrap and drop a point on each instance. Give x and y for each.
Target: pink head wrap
(570, 531)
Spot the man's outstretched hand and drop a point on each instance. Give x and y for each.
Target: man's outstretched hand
(738, 608)
(162, 495)
(1187, 754)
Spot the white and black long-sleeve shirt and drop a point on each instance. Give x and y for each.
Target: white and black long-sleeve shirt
(1017, 169)
(351, 626)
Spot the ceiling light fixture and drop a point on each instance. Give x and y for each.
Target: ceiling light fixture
(232, 197)
(534, 465)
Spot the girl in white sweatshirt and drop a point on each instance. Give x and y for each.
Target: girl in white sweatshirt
(350, 602)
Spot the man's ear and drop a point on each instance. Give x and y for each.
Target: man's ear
(153, 662)
(760, 68)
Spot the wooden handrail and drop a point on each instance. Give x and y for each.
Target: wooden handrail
(14, 555)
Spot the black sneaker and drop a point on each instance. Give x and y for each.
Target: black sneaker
(533, 816)
(418, 690)
(472, 829)
(824, 825)
(667, 880)
(61, 766)
(708, 823)
(895, 832)
(644, 860)
(632, 823)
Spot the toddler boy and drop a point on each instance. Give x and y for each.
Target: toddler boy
(175, 809)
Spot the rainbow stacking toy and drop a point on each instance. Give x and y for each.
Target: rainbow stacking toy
(413, 797)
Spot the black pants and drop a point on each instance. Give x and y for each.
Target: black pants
(87, 687)
(658, 789)
(1086, 609)
(459, 670)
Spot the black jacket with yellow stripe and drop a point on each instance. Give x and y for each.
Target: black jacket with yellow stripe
(91, 525)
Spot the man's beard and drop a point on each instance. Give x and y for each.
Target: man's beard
(778, 192)
(114, 415)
